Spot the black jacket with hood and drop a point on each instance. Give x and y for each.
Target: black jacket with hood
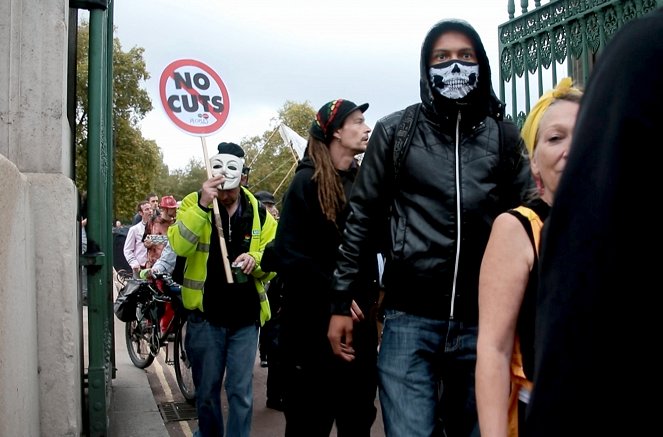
(454, 180)
(303, 253)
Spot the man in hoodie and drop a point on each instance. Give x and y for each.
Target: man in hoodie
(462, 168)
(303, 253)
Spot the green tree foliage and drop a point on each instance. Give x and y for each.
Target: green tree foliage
(137, 161)
(137, 166)
(181, 182)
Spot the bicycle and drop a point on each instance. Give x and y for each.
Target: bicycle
(143, 334)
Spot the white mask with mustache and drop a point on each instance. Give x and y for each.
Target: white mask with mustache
(230, 166)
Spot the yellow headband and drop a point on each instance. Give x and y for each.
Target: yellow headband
(531, 125)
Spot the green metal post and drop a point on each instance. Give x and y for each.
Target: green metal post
(109, 218)
(100, 340)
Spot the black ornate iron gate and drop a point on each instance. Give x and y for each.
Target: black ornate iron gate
(562, 35)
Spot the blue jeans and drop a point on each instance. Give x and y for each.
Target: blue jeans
(426, 376)
(212, 350)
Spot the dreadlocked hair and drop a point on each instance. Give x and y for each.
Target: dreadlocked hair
(330, 190)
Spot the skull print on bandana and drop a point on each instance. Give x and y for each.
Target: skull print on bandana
(454, 79)
(228, 165)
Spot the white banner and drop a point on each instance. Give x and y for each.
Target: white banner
(293, 139)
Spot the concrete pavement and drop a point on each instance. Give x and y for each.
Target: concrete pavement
(134, 411)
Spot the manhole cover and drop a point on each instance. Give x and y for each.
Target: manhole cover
(174, 411)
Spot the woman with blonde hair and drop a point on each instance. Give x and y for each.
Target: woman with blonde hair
(508, 277)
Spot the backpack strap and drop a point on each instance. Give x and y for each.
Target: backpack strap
(532, 224)
(404, 132)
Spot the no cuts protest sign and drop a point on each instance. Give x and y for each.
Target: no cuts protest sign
(194, 97)
(196, 100)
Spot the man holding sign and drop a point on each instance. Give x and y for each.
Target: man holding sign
(226, 313)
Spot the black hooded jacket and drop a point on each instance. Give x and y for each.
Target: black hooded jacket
(303, 254)
(454, 180)
(303, 249)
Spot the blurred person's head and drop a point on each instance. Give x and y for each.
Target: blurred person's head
(168, 207)
(244, 181)
(267, 199)
(145, 210)
(154, 201)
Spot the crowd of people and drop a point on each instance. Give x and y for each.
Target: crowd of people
(445, 237)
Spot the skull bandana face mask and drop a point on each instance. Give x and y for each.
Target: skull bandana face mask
(230, 166)
(454, 79)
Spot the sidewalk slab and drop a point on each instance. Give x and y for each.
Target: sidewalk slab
(133, 410)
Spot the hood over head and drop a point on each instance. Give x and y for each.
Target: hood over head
(480, 102)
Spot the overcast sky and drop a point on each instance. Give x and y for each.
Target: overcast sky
(268, 52)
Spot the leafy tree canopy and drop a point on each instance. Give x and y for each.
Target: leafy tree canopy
(137, 161)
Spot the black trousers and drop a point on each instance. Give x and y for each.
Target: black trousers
(272, 351)
(320, 388)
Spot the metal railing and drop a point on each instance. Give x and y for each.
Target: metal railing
(559, 38)
(98, 259)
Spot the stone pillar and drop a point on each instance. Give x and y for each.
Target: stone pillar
(40, 313)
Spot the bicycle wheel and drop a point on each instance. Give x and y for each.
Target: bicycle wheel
(183, 366)
(140, 337)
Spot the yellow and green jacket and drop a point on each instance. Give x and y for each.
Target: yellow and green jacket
(190, 237)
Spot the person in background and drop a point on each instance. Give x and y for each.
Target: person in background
(509, 271)
(167, 260)
(269, 201)
(270, 352)
(600, 268)
(222, 327)
(245, 176)
(434, 221)
(160, 256)
(267, 334)
(153, 199)
(168, 208)
(135, 251)
(155, 238)
(319, 388)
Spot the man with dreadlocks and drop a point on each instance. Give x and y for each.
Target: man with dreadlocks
(304, 251)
